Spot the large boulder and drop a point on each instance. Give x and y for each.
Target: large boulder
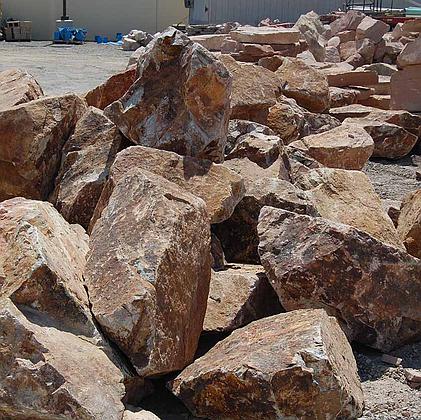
(318, 263)
(297, 365)
(254, 90)
(32, 136)
(238, 295)
(87, 157)
(306, 85)
(48, 373)
(17, 87)
(345, 147)
(112, 89)
(349, 21)
(409, 223)
(220, 188)
(348, 197)
(180, 100)
(372, 29)
(147, 283)
(42, 258)
(406, 89)
(265, 35)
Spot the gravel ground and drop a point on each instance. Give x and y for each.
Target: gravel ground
(64, 68)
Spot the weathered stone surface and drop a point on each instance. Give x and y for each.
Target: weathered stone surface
(17, 87)
(371, 28)
(254, 90)
(265, 35)
(238, 295)
(409, 223)
(87, 157)
(49, 373)
(348, 22)
(341, 77)
(306, 85)
(139, 415)
(271, 63)
(42, 260)
(347, 49)
(390, 140)
(220, 188)
(297, 365)
(382, 69)
(135, 57)
(112, 89)
(212, 42)
(348, 197)
(332, 55)
(377, 101)
(30, 157)
(147, 284)
(406, 89)
(366, 47)
(217, 253)
(345, 147)
(317, 263)
(180, 100)
(340, 97)
(253, 52)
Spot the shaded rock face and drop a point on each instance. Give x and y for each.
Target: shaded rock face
(220, 188)
(406, 89)
(409, 223)
(306, 85)
(348, 197)
(147, 283)
(317, 263)
(254, 90)
(48, 373)
(42, 258)
(17, 87)
(30, 158)
(112, 89)
(87, 157)
(348, 22)
(180, 101)
(297, 365)
(238, 295)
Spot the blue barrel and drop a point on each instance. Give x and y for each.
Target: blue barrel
(98, 39)
(104, 40)
(119, 36)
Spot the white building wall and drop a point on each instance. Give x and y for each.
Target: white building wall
(100, 17)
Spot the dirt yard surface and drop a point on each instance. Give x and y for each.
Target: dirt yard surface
(64, 68)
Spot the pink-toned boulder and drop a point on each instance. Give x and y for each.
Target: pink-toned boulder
(411, 54)
(406, 89)
(371, 28)
(347, 22)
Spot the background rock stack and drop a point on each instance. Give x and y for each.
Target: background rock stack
(196, 205)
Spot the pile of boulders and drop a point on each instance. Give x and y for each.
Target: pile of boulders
(136, 39)
(195, 195)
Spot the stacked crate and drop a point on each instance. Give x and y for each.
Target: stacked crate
(18, 30)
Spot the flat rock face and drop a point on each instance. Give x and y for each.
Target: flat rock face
(372, 28)
(345, 147)
(238, 295)
(17, 87)
(409, 223)
(341, 77)
(265, 35)
(406, 89)
(296, 365)
(48, 373)
(317, 263)
(348, 197)
(180, 101)
(112, 89)
(87, 157)
(30, 157)
(147, 283)
(254, 90)
(220, 188)
(42, 259)
(348, 22)
(306, 85)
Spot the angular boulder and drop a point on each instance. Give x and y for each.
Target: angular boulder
(406, 89)
(238, 295)
(87, 157)
(343, 77)
(372, 29)
(265, 35)
(296, 365)
(30, 157)
(318, 263)
(180, 100)
(17, 87)
(148, 284)
(349, 21)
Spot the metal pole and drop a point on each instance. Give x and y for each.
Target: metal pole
(65, 17)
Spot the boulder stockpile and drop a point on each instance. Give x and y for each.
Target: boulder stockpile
(197, 205)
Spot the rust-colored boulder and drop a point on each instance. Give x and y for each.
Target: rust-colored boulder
(342, 77)
(148, 269)
(348, 197)
(238, 295)
(254, 90)
(340, 97)
(409, 223)
(349, 21)
(371, 287)
(17, 87)
(180, 100)
(406, 89)
(297, 365)
(306, 85)
(265, 35)
(32, 136)
(112, 89)
(87, 157)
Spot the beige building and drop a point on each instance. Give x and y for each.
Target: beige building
(99, 17)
